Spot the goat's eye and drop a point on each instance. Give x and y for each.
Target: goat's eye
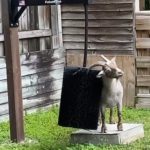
(113, 70)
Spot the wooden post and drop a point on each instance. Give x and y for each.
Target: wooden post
(13, 76)
(56, 26)
(137, 5)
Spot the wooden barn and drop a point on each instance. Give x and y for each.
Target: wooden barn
(47, 32)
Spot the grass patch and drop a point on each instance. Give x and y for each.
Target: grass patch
(43, 133)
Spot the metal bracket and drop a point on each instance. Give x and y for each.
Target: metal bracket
(15, 15)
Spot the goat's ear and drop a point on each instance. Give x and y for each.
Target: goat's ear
(113, 59)
(100, 74)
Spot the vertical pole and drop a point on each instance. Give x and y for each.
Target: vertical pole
(13, 75)
(137, 5)
(86, 35)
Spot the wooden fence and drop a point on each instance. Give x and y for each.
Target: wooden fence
(143, 60)
(41, 59)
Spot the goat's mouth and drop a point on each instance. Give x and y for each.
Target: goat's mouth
(119, 75)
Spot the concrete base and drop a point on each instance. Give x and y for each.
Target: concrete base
(130, 133)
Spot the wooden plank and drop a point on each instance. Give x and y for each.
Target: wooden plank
(104, 52)
(99, 38)
(30, 34)
(13, 77)
(143, 95)
(33, 25)
(99, 23)
(97, 15)
(54, 26)
(60, 26)
(98, 31)
(100, 46)
(34, 59)
(143, 62)
(102, 7)
(34, 34)
(142, 13)
(143, 80)
(142, 22)
(142, 90)
(35, 79)
(145, 106)
(137, 5)
(35, 102)
(41, 26)
(24, 27)
(38, 89)
(142, 43)
(41, 89)
(143, 100)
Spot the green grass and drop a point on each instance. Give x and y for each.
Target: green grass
(43, 133)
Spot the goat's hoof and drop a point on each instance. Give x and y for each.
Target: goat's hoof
(111, 122)
(103, 130)
(120, 127)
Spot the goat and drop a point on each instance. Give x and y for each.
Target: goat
(112, 91)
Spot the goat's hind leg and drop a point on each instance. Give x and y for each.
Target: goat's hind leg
(111, 117)
(119, 126)
(103, 128)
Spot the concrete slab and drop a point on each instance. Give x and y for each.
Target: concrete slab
(130, 133)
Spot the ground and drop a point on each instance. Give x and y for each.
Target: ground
(43, 133)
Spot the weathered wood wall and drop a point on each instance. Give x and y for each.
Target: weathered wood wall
(41, 79)
(110, 27)
(111, 32)
(41, 59)
(143, 60)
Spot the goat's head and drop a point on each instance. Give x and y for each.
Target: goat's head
(109, 68)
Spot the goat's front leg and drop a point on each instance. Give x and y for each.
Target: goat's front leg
(103, 128)
(119, 109)
(99, 119)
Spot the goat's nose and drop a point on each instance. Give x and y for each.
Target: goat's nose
(120, 73)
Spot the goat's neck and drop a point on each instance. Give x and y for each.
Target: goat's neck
(110, 82)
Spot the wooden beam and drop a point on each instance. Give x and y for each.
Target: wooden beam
(143, 80)
(137, 5)
(143, 21)
(30, 34)
(13, 76)
(142, 43)
(54, 27)
(143, 62)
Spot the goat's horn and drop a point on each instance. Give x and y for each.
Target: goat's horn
(95, 65)
(106, 59)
